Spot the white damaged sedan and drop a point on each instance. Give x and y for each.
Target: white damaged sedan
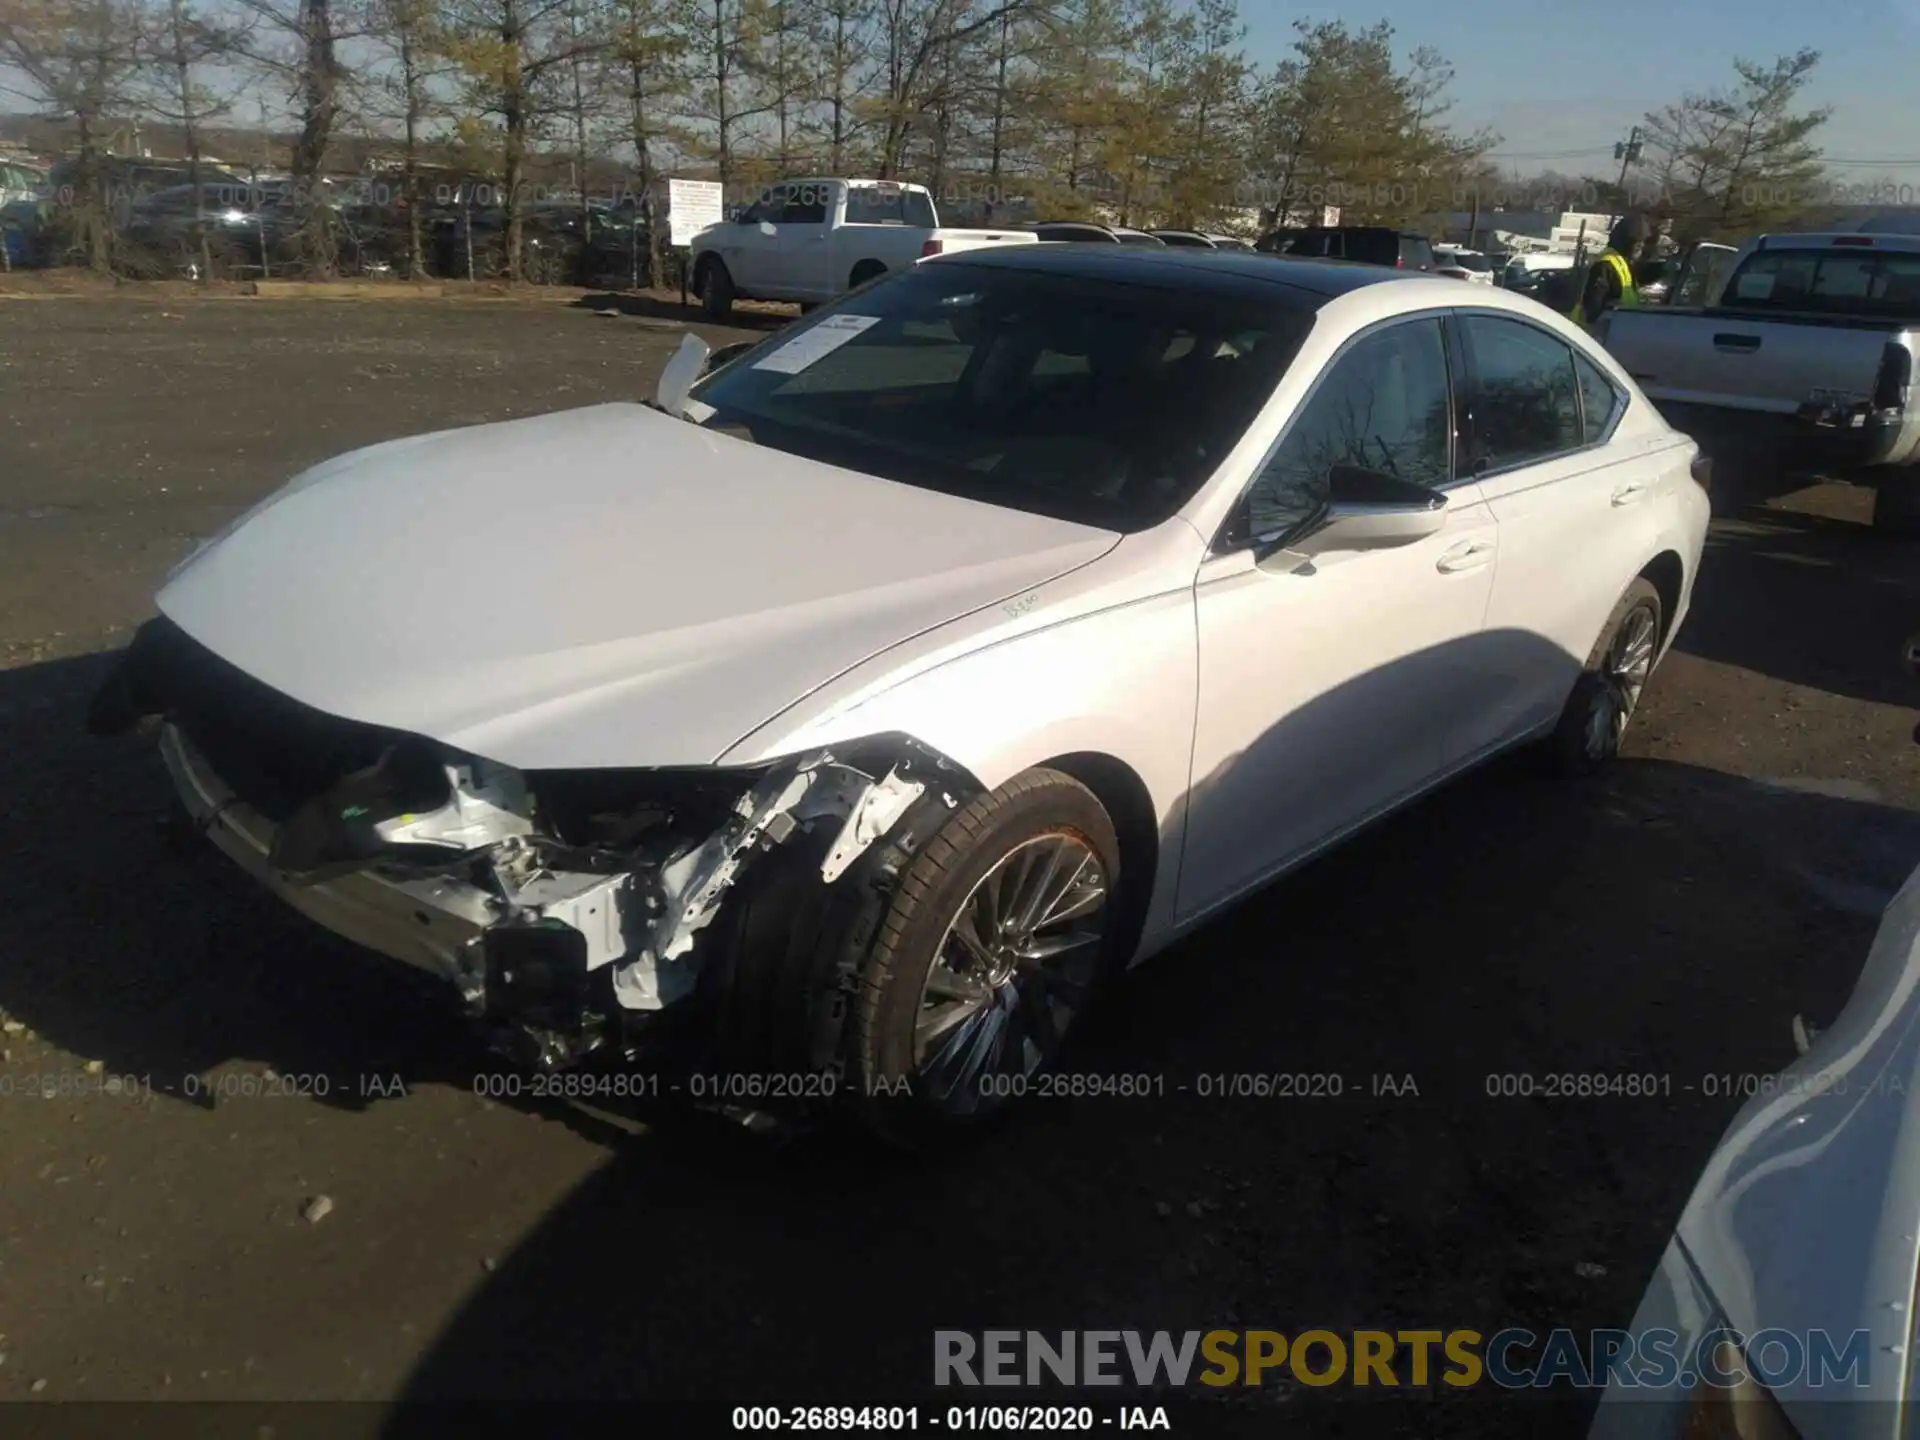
(878, 696)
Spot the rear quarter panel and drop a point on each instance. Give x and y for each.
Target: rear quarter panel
(1741, 362)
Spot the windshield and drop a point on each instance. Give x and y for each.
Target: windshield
(1470, 260)
(1088, 400)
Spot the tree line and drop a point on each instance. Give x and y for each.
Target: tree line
(1144, 112)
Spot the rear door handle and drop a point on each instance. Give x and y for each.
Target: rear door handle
(1470, 556)
(1628, 494)
(1744, 344)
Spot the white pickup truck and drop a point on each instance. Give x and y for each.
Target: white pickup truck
(810, 240)
(1804, 354)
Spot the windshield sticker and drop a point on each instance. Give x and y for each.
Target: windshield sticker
(818, 343)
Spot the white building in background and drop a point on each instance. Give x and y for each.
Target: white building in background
(1578, 227)
(1527, 232)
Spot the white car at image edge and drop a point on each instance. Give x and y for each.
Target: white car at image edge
(874, 699)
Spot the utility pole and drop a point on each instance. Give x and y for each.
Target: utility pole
(1627, 152)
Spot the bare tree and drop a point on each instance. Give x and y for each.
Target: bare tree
(298, 43)
(1732, 161)
(915, 46)
(401, 92)
(513, 56)
(645, 56)
(183, 42)
(841, 34)
(723, 54)
(78, 61)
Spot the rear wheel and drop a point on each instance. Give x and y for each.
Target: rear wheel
(1595, 718)
(863, 272)
(996, 939)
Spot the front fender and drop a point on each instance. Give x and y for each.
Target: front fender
(1120, 682)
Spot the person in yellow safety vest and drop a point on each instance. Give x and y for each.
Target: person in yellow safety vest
(1610, 280)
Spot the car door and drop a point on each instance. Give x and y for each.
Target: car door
(1331, 688)
(751, 244)
(800, 259)
(1570, 503)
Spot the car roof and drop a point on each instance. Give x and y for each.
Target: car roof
(1219, 272)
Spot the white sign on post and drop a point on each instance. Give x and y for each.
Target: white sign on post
(692, 205)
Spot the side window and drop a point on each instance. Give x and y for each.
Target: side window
(770, 207)
(1527, 404)
(1383, 406)
(806, 205)
(1600, 399)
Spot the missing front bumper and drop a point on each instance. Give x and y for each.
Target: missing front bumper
(556, 963)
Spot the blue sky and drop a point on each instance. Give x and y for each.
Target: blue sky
(1553, 76)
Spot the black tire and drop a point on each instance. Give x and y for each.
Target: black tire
(1027, 822)
(715, 284)
(1603, 699)
(863, 272)
(1896, 507)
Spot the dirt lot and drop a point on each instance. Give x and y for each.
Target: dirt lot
(1669, 919)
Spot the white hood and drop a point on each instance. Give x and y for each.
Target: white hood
(595, 588)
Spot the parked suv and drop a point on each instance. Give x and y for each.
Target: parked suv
(1370, 244)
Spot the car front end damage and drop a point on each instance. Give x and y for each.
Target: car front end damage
(565, 908)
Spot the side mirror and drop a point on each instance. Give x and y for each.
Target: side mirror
(1913, 654)
(1371, 510)
(727, 354)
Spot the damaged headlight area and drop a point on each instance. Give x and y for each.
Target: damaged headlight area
(564, 906)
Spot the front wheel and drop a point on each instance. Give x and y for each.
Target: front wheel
(716, 290)
(995, 941)
(1595, 718)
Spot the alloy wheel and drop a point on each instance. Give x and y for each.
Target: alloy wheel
(1622, 676)
(1012, 970)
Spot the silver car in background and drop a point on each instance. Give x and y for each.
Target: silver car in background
(1783, 1308)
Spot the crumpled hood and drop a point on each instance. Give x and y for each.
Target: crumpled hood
(594, 588)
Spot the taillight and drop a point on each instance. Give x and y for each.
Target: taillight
(1701, 469)
(932, 247)
(1399, 262)
(1896, 378)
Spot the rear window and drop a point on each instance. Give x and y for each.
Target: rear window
(889, 205)
(1415, 254)
(1881, 284)
(1100, 403)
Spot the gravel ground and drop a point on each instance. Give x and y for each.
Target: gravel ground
(241, 1236)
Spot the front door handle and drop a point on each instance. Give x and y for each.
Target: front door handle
(1628, 494)
(1470, 556)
